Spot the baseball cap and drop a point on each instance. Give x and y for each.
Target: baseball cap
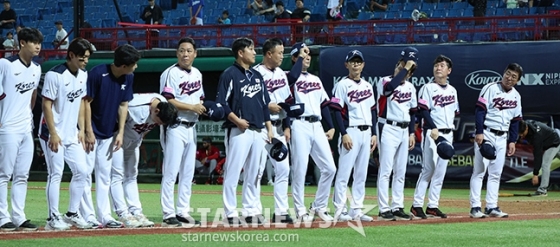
(277, 150)
(293, 110)
(58, 22)
(353, 54)
(214, 110)
(296, 48)
(444, 149)
(487, 150)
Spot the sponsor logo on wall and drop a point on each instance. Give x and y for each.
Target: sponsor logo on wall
(478, 79)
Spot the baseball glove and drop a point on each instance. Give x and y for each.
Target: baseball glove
(193, 20)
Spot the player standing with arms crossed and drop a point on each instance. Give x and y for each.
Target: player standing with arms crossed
(309, 138)
(145, 112)
(181, 85)
(355, 114)
(278, 87)
(109, 89)
(242, 93)
(396, 106)
(19, 77)
(60, 139)
(497, 112)
(438, 105)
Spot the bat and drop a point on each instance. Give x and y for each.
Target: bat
(513, 194)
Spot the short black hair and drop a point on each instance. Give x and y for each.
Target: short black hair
(207, 139)
(167, 112)
(279, 3)
(225, 12)
(443, 58)
(522, 126)
(240, 44)
(515, 67)
(126, 55)
(79, 46)
(29, 34)
(9, 33)
(186, 40)
(270, 44)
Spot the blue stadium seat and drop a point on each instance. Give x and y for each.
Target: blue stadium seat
(64, 6)
(520, 11)
(455, 13)
(108, 23)
(319, 9)
(395, 7)
(364, 15)
(439, 13)
(503, 12)
(429, 6)
(460, 5)
(392, 15)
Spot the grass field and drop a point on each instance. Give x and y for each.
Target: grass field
(483, 233)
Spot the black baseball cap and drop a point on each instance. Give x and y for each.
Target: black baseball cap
(58, 22)
(353, 54)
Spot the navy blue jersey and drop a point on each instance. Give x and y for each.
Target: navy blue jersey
(244, 92)
(107, 92)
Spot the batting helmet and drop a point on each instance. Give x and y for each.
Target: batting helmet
(487, 150)
(277, 150)
(214, 110)
(444, 149)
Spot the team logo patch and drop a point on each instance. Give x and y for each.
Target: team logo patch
(503, 104)
(142, 128)
(71, 96)
(307, 87)
(123, 87)
(359, 96)
(23, 87)
(273, 85)
(189, 88)
(443, 100)
(251, 90)
(401, 97)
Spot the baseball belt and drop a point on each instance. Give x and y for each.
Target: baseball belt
(403, 125)
(496, 132)
(360, 127)
(445, 131)
(188, 124)
(311, 119)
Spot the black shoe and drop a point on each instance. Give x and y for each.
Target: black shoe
(189, 221)
(539, 193)
(401, 215)
(27, 226)
(257, 219)
(418, 212)
(435, 212)
(171, 222)
(285, 218)
(387, 216)
(233, 221)
(8, 227)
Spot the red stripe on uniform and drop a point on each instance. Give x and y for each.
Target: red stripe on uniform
(2, 96)
(383, 106)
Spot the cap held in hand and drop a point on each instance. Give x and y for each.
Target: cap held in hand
(277, 150)
(487, 150)
(293, 110)
(444, 149)
(409, 53)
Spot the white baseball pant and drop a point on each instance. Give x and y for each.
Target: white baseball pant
(548, 156)
(393, 154)
(124, 184)
(494, 167)
(358, 159)
(75, 156)
(244, 151)
(433, 172)
(310, 139)
(179, 156)
(16, 155)
(282, 171)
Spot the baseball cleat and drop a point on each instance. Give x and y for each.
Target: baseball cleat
(257, 219)
(232, 221)
(55, 223)
(401, 215)
(95, 224)
(476, 212)
(305, 218)
(113, 224)
(188, 221)
(77, 221)
(130, 221)
(8, 227)
(27, 226)
(539, 193)
(435, 212)
(284, 218)
(144, 220)
(343, 217)
(495, 212)
(418, 212)
(386, 216)
(363, 217)
(171, 222)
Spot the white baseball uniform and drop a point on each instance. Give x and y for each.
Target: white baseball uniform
(443, 105)
(66, 91)
(124, 184)
(501, 108)
(179, 144)
(356, 101)
(279, 91)
(308, 138)
(394, 120)
(19, 83)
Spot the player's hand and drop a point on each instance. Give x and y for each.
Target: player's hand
(287, 134)
(274, 108)
(54, 142)
(203, 161)
(270, 136)
(434, 134)
(199, 109)
(242, 124)
(303, 52)
(90, 141)
(330, 134)
(511, 149)
(479, 138)
(118, 141)
(82, 139)
(535, 180)
(373, 143)
(347, 142)
(411, 142)
(147, 14)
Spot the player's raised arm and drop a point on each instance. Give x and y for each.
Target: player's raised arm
(301, 51)
(405, 66)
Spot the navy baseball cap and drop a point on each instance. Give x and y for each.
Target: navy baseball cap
(444, 149)
(296, 48)
(293, 110)
(353, 54)
(487, 150)
(214, 110)
(277, 150)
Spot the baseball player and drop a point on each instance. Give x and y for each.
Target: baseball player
(277, 85)
(109, 89)
(60, 139)
(309, 138)
(242, 92)
(19, 77)
(438, 105)
(181, 85)
(546, 145)
(355, 114)
(396, 100)
(145, 112)
(497, 112)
